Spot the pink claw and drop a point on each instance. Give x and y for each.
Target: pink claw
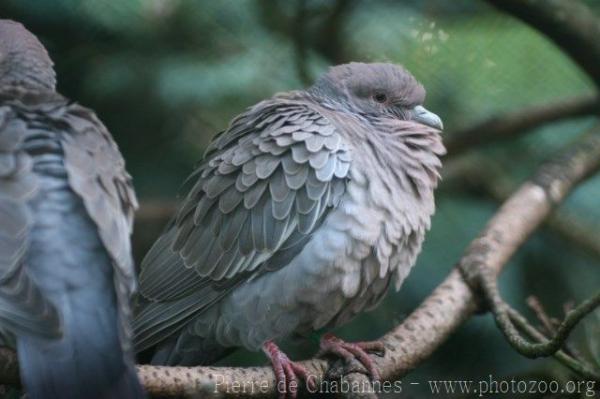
(287, 372)
(350, 351)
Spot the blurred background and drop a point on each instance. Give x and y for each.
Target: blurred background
(166, 75)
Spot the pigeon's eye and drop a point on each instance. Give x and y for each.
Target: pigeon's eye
(380, 97)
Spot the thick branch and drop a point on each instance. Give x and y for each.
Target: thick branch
(570, 24)
(483, 277)
(509, 125)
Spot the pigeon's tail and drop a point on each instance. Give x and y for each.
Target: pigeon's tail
(87, 362)
(90, 358)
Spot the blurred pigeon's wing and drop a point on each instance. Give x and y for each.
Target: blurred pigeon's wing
(96, 172)
(263, 187)
(22, 306)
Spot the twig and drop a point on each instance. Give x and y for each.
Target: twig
(550, 324)
(548, 347)
(540, 313)
(579, 366)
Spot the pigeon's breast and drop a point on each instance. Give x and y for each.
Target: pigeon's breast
(344, 269)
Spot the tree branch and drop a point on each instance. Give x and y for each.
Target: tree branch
(570, 24)
(482, 278)
(509, 125)
(547, 323)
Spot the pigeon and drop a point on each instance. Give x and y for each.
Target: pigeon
(301, 215)
(66, 211)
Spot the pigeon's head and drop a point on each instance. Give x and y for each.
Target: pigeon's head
(377, 89)
(23, 59)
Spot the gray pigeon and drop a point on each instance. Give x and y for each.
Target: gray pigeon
(66, 209)
(301, 214)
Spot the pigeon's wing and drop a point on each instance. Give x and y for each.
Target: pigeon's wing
(96, 173)
(263, 187)
(22, 306)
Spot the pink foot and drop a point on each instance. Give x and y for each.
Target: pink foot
(287, 372)
(351, 351)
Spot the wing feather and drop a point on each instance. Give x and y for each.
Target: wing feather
(96, 172)
(265, 184)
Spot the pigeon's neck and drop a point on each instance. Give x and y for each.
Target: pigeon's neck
(407, 152)
(416, 154)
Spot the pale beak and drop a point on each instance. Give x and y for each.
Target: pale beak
(422, 115)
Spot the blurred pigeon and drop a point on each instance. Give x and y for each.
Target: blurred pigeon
(66, 209)
(300, 216)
